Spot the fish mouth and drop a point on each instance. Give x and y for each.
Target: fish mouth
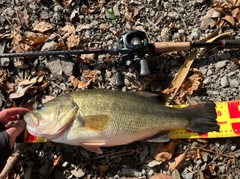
(32, 119)
(31, 130)
(49, 131)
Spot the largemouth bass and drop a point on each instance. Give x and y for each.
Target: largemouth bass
(101, 118)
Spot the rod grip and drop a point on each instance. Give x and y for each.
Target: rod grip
(162, 47)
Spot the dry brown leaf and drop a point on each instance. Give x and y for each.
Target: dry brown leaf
(191, 84)
(41, 72)
(26, 87)
(28, 82)
(163, 157)
(236, 61)
(17, 44)
(34, 39)
(73, 41)
(128, 12)
(43, 27)
(103, 168)
(22, 18)
(161, 147)
(234, 2)
(20, 92)
(87, 58)
(158, 19)
(92, 8)
(83, 27)
(78, 83)
(28, 42)
(43, 86)
(74, 81)
(164, 152)
(177, 164)
(230, 20)
(236, 13)
(208, 21)
(31, 90)
(132, 79)
(91, 75)
(179, 78)
(161, 176)
(66, 3)
(83, 85)
(4, 84)
(103, 27)
(233, 158)
(67, 30)
(222, 7)
(135, 12)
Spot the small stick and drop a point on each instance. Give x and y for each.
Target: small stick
(182, 21)
(56, 162)
(201, 148)
(125, 152)
(57, 86)
(12, 160)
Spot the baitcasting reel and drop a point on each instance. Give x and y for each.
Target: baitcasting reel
(133, 45)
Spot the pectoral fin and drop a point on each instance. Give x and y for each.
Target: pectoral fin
(93, 147)
(96, 122)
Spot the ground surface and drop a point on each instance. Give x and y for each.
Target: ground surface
(46, 25)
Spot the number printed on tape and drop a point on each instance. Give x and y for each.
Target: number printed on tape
(228, 117)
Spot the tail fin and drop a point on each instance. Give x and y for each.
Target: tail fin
(203, 118)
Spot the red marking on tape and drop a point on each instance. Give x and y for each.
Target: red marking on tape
(203, 135)
(219, 113)
(236, 128)
(30, 138)
(222, 122)
(233, 108)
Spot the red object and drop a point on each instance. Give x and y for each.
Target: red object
(234, 113)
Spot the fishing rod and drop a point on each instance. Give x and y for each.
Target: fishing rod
(132, 46)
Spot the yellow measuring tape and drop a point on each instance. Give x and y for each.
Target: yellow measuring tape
(228, 117)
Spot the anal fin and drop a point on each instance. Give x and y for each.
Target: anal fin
(162, 138)
(93, 147)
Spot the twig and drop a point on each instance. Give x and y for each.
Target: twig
(12, 160)
(8, 19)
(126, 152)
(182, 21)
(201, 148)
(56, 162)
(57, 86)
(217, 156)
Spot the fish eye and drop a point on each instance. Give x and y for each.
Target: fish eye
(39, 106)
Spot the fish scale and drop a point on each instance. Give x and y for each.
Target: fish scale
(137, 110)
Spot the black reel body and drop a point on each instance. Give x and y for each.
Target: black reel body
(132, 45)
